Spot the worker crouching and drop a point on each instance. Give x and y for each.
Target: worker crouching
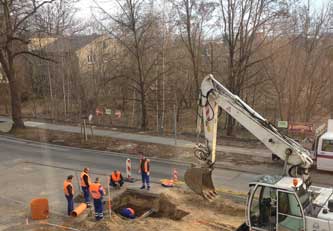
(69, 194)
(116, 179)
(97, 193)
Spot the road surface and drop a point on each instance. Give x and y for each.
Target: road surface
(30, 169)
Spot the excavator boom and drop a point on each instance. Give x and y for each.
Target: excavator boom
(213, 95)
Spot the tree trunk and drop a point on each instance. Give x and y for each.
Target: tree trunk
(15, 101)
(230, 125)
(143, 112)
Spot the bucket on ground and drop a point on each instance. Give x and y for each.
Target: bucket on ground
(39, 208)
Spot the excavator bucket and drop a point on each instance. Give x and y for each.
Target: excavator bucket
(199, 180)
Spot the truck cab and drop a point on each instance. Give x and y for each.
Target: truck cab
(325, 150)
(285, 204)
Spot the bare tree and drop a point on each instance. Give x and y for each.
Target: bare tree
(193, 17)
(58, 18)
(298, 68)
(243, 25)
(13, 43)
(135, 27)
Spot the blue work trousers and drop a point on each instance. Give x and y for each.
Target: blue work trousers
(145, 179)
(85, 190)
(98, 205)
(70, 204)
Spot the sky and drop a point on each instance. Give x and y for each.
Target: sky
(85, 6)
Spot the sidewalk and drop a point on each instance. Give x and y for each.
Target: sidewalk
(149, 139)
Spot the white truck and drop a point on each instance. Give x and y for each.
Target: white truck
(286, 202)
(323, 148)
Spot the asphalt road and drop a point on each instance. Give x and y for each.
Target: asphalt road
(101, 162)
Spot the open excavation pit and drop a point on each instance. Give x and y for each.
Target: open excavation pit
(147, 204)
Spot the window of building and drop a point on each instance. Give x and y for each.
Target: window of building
(91, 59)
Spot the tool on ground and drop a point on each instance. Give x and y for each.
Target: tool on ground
(167, 183)
(147, 213)
(79, 209)
(58, 226)
(109, 196)
(78, 182)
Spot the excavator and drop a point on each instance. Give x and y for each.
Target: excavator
(286, 202)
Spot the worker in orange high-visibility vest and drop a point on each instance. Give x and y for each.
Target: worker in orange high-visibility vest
(116, 179)
(85, 183)
(145, 172)
(69, 194)
(97, 192)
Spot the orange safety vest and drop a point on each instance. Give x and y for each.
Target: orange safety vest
(115, 176)
(131, 210)
(82, 183)
(66, 183)
(94, 190)
(144, 165)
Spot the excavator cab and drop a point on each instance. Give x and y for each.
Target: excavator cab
(199, 179)
(274, 204)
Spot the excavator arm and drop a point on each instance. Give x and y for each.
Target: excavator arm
(213, 95)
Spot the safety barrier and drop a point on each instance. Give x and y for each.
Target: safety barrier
(129, 171)
(175, 175)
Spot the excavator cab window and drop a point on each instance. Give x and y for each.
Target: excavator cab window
(290, 216)
(263, 208)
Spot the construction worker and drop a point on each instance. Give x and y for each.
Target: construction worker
(128, 213)
(145, 172)
(97, 193)
(116, 179)
(85, 183)
(69, 194)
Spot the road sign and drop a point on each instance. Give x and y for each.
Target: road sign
(282, 124)
(301, 128)
(108, 111)
(118, 114)
(99, 112)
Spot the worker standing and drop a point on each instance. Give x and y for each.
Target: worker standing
(145, 172)
(69, 194)
(116, 179)
(97, 193)
(85, 183)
